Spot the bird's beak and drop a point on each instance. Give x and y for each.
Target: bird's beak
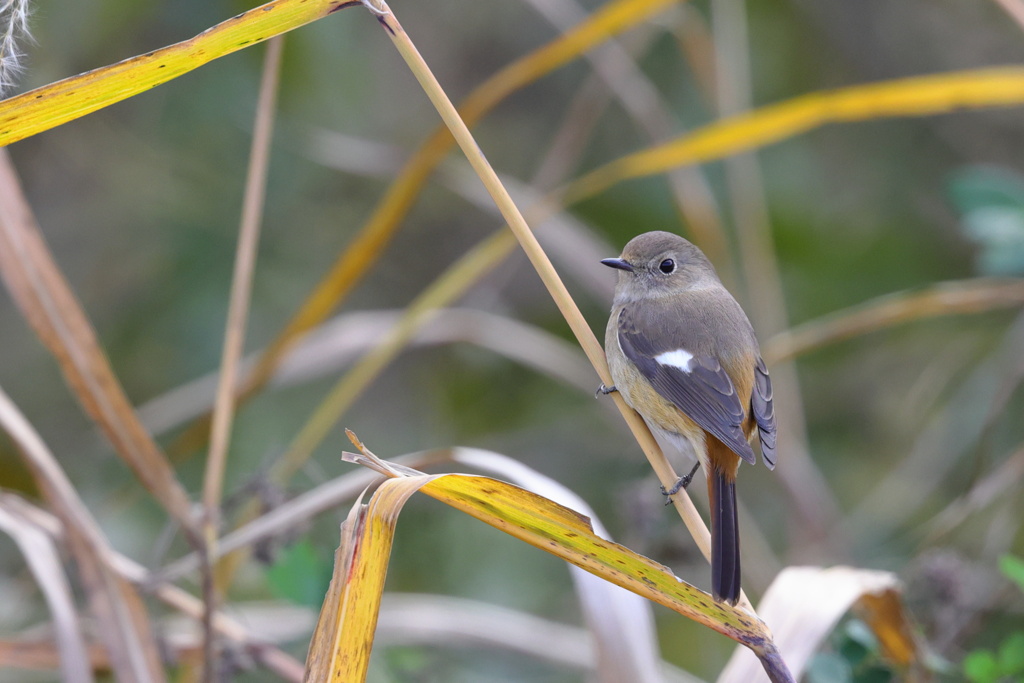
(621, 264)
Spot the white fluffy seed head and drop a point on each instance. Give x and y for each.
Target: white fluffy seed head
(13, 27)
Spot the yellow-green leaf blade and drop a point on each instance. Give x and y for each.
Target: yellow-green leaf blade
(919, 96)
(566, 534)
(55, 104)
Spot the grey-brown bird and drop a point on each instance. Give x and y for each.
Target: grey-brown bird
(683, 354)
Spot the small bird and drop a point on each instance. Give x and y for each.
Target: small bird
(683, 354)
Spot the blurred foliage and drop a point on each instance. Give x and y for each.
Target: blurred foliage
(140, 204)
(1006, 663)
(300, 574)
(991, 201)
(854, 657)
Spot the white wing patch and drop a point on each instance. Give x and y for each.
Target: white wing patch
(680, 358)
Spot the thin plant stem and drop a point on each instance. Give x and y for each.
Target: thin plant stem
(1015, 8)
(241, 285)
(584, 335)
(234, 333)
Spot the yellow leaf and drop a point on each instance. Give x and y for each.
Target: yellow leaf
(343, 638)
(68, 99)
(568, 535)
(918, 96)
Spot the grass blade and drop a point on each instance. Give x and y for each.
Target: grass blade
(44, 562)
(920, 96)
(621, 623)
(960, 297)
(569, 536)
(47, 302)
(123, 623)
(343, 638)
(55, 104)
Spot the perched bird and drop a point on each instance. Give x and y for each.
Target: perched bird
(683, 354)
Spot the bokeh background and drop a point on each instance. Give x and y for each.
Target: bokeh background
(140, 205)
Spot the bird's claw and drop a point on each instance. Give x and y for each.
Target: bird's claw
(604, 391)
(682, 483)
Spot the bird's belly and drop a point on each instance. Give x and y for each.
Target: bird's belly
(680, 438)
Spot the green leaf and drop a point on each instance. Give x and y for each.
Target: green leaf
(300, 575)
(859, 632)
(1012, 568)
(1011, 655)
(853, 651)
(999, 232)
(874, 674)
(981, 666)
(991, 203)
(827, 667)
(979, 187)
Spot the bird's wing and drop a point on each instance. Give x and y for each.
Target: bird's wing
(762, 402)
(696, 383)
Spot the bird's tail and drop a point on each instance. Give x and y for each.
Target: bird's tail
(725, 536)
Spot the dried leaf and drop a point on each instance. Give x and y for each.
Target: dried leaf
(44, 561)
(621, 622)
(568, 535)
(47, 302)
(124, 625)
(804, 604)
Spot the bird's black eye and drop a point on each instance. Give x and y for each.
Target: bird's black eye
(667, 266)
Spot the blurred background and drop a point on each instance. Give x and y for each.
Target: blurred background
(887, 439)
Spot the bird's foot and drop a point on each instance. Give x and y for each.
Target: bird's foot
(604, 391)
(683, 482)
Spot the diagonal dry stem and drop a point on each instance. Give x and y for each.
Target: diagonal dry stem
(124, 625)
(615, 17)
(547, 273)
(45, 299)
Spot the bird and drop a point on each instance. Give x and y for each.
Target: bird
(683, 354)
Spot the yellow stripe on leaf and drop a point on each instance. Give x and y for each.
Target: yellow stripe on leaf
(920, 96)
(55, 104)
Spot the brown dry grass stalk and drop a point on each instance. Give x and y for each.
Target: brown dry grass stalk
(47, 302)
(124, 625)
(234, 334)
